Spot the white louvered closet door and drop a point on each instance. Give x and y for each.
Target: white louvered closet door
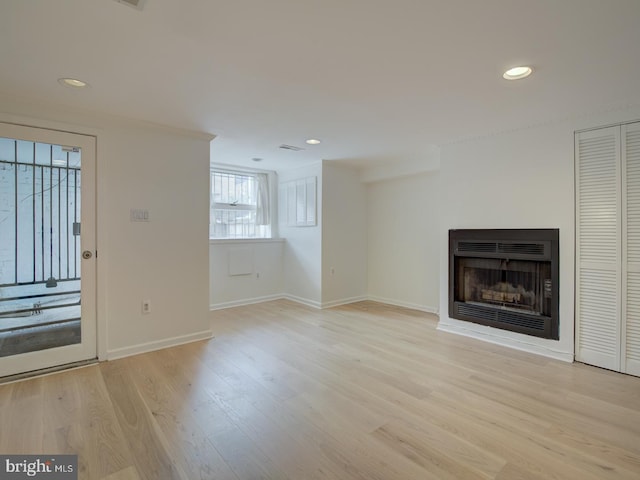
(598, 247)
(630, 327)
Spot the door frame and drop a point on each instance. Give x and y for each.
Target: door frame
(89, 347)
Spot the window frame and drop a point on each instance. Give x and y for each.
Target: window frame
(268, 230)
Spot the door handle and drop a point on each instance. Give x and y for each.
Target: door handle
(87, 254)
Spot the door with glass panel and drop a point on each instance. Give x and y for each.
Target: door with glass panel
(47, 248)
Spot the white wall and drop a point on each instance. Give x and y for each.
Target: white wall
(521, 179)
(404, 241)
(299, 266)
(164, 260)
(302, 267)
(162, 170)
(265, 282)
(344, 235)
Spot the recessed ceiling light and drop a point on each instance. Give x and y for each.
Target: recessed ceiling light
(516, 73)
(313, 141)
(72, 82)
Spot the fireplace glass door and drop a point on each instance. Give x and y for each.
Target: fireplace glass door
(518, 285)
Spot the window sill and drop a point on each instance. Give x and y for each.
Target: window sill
(224, 241)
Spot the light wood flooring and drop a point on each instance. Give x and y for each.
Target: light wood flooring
(366, 391)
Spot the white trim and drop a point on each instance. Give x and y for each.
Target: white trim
(89, 119)
(46, 372)
(517, 344)
(228, 168)
(267, 298)
(245, 301)
(399, 303)
(158, 345)
(284, 296)
(303, 301)
(320, 305)
(344, 301)
(600, 127)
(224, 241)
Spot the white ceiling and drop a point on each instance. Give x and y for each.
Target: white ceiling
(376, 80)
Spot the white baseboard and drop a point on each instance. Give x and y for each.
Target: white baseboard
(303, 301)
(268, 298)
(344, 301)
(321, 305)
(157, 345)
(399, 303)
(245, 301)
(491, 336)
(293, 298)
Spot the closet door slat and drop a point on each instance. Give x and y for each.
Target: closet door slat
(630, 325)
(598, 247)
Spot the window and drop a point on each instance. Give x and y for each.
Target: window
(239, 205)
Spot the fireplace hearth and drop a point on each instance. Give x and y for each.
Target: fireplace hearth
(505, 279)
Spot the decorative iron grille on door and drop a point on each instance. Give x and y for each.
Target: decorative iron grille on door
(39, 213)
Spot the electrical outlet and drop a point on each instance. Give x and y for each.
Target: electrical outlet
(146, 306)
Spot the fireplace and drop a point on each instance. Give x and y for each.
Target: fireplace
(505, 279)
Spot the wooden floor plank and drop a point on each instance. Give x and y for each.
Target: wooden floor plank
(23, 419)
(84, 422)
(142, 435)
(129, 473)
(175, 410)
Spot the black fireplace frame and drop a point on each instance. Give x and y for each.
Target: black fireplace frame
(509, 244)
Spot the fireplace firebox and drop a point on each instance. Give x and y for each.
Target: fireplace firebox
(505, 279)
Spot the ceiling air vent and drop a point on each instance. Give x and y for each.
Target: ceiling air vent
(137, 4)
(290, 147)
